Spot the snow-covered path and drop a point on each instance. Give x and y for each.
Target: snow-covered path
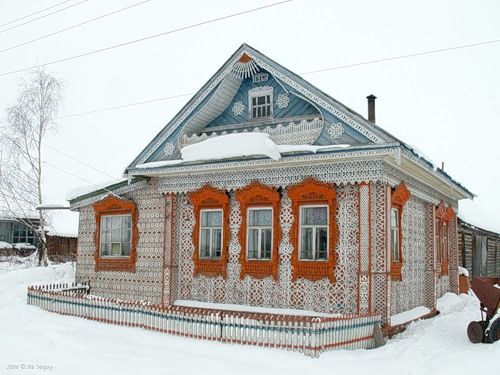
(54, 344)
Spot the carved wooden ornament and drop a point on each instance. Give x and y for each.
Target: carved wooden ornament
(207, 197)
(444, 215)
(114, 205)
(311, 191)
(258, 195)
(399, 197)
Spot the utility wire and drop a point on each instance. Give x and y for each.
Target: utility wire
(35, 13)
(74, 26)
(304, 73)
(78, 177)
(440, 50)
(46, 15)
(145, 38)
(124, 106)
(80, 161)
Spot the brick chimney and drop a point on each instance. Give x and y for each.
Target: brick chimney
(371, 108)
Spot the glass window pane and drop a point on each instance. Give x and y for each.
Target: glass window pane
(394, 218)
(116, 222)
(261, 100)
(395, 245)
(105, 248)
(321, 243)
(115, 249)
(216, 242)
(115, 235)
(306, 243)
(314, 216)
(211, 218)
(205, 243)
(126, 221)
(126, 248)
(263, 217)
(253, 245)
(126, 236)
(266, 238)
(254, 100)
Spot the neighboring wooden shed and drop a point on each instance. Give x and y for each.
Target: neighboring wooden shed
(62, 247)
(479, 250)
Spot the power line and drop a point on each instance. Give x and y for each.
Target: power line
(440, 50)
(78, 177)
(80, 161)
(304, 73)
(74, 26)
(32, 14)
(124, 105)
(145, 38)
(46, 15)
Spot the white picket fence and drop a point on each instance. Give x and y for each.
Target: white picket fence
(306, 334)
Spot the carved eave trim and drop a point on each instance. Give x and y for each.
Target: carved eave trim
(312, 191)
(114, 205)
(259, 195)
(208, 197)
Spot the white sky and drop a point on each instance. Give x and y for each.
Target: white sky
(445, 104)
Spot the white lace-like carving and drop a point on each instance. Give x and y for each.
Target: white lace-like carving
(238, 108)
(335, 131)
(169, 149)
(282, 101)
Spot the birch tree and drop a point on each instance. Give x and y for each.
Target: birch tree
(29, 121)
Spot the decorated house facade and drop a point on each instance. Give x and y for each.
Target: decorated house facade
(265, 191)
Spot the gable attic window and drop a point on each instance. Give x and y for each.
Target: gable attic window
(399, 197)
(116, 234)
(261, 102)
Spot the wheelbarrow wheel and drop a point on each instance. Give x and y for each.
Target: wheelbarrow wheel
(475, 332)
(494, 334)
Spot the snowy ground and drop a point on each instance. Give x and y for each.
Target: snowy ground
(54, 344)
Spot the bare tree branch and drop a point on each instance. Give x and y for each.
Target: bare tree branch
(29, 121)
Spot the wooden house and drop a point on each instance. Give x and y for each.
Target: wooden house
(265, 191)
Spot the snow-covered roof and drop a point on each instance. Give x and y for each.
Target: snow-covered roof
(87, 189)
(62, 234)
(475, 214)
(234, 146)
(5, 245)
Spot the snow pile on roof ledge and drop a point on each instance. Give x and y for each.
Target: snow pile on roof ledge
(475, 214)
(234, 146)
(463, 271)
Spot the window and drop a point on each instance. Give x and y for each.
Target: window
(400, 195)
(395, 234)
(443, 217)
(23, 233)
(259, 233)
(211, 231)
(261, 101)
(313, 233)
(437, 241)
(116, 235)
(211, 234)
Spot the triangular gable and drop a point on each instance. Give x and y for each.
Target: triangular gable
(202, 108)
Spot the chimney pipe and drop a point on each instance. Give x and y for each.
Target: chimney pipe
(371, 108)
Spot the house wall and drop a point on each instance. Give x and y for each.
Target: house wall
(146, 282)
(61, 248)
(323, 296)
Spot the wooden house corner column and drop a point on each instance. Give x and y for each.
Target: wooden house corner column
(364, 243)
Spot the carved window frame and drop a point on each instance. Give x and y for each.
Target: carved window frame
(114, 205)
(208, 197)
(258, 195)
(444, 215)
(399, 196)
(312, 192)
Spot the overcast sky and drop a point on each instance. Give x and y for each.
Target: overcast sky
(446, 104)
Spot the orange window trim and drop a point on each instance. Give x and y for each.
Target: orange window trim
(114, 205)
(444, 216)
(208, 197)
(258, 195)
(311, 191)
(399, 197)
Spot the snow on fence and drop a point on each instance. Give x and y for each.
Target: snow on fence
(306, 334)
